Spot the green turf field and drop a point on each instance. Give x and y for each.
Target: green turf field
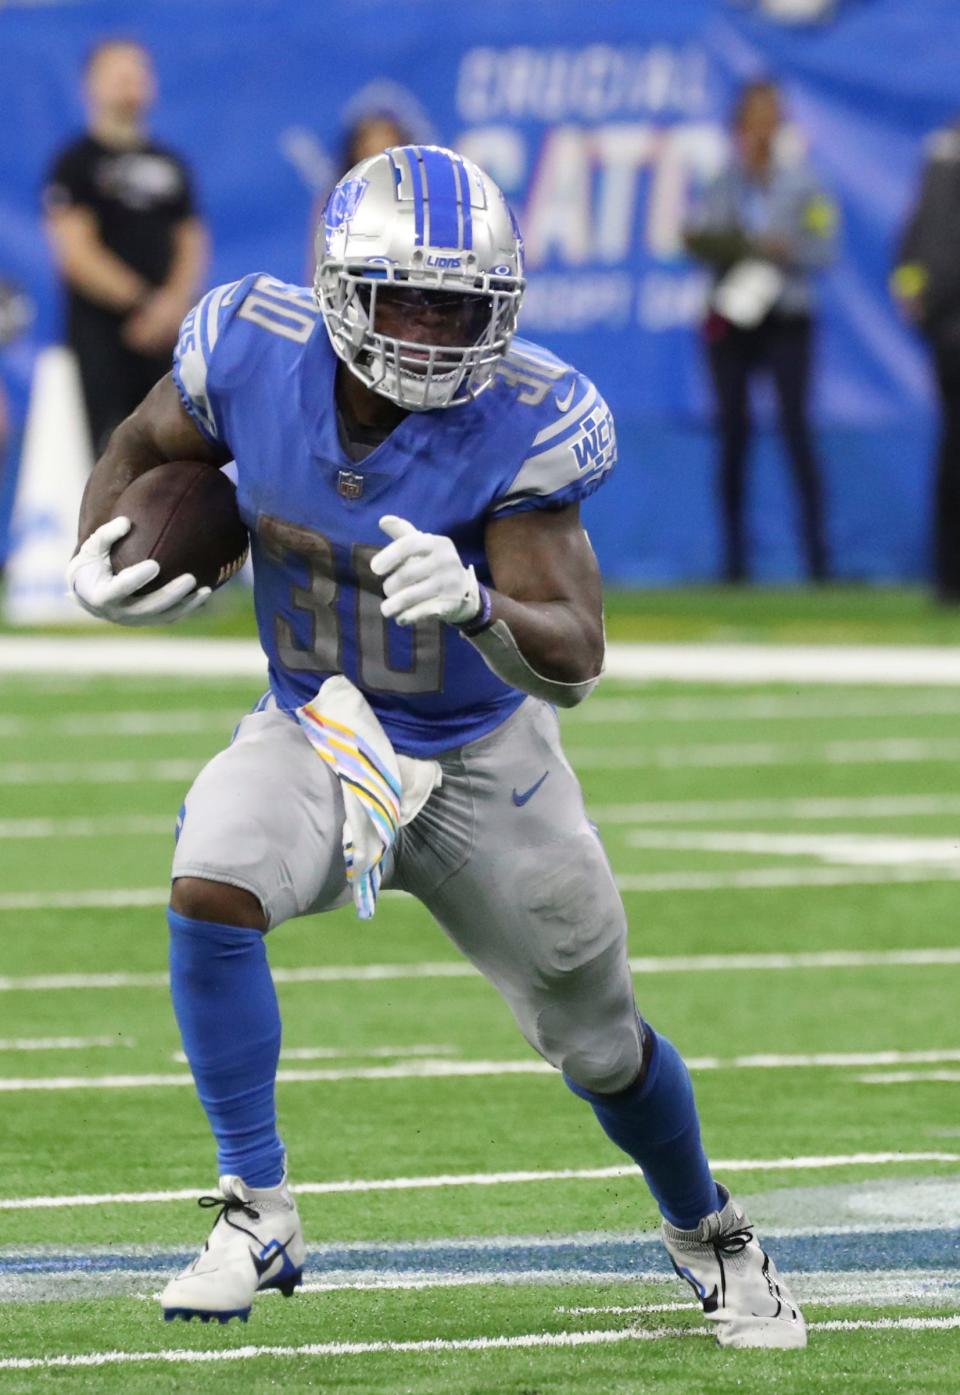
(789, 860)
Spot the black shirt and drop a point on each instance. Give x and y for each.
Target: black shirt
(138, 195)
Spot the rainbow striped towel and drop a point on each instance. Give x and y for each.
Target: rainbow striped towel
(343, 730)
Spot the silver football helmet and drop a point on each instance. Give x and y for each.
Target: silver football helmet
(419, 275)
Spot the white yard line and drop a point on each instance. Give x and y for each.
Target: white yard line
(830, 807)
(136, 722)
(806, 1163)
(104, 772)
(535, 1340)
(96, 826)
(84, 900)
(62, 1043)
(914, 1077)
(822, 707)
(866, 849)
(894, 750)
(601, 710)
(413, 1070)
(773, 878)
(336, 1053)
(885, 751)
(823, 1288)
(676, 811)
(409, 1067)
(640, 964)
(653, 883)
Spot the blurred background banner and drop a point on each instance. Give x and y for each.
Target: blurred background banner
(600, 120)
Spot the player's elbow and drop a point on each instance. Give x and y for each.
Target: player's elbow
(575, 668)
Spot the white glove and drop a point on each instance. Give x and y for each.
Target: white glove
(112, 595)
(424, 576)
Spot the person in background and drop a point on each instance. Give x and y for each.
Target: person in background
(127, 240)
(926, 285)
(16, 314)
(370, 134)
(373, 130)
(764, 226)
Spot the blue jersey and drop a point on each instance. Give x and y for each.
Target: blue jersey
(256, 371)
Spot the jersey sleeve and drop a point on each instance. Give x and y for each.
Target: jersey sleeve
(571, 454)
(194, 367)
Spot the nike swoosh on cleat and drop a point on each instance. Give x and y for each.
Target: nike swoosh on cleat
(521, 799)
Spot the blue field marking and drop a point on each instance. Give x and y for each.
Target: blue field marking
(620, 1257)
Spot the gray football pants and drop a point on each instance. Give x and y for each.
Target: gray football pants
(520, 885)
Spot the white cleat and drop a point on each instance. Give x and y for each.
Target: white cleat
(735, 1280)
(256, 1243)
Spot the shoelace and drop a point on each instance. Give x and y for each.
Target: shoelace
(228, 1203)
(734, 1242)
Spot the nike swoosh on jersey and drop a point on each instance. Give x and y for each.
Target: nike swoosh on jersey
(564, 402)
(521, 799)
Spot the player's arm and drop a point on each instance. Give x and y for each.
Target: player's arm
(546, 603)
(540, 628)
(160, 429)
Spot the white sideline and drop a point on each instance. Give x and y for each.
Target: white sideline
(454, 968)
(805, 1163)
(602, 1336)
(136, 656)
(427, 1069)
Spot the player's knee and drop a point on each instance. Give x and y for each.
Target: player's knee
(597, 1045)
(604, 1064)
(223, 904)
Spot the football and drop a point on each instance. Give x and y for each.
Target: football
(184, 515)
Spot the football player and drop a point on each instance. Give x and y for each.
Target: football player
(411, 474)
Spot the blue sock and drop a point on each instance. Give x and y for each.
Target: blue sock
(656, 1124)
(229, 1021)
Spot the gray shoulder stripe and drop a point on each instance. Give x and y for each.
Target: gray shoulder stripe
(544, 473)
(214, 302)
(568, 420)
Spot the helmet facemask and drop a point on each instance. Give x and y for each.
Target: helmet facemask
(473, 320)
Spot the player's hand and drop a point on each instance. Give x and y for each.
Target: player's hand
(423, 576)
(113, 595)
